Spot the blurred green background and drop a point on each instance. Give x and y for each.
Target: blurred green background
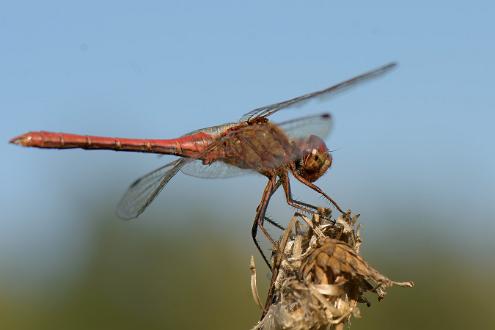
(413, 153)
(136, 277)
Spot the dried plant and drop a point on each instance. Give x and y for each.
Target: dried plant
(318, 277)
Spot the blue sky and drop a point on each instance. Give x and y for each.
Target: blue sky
(420, 138)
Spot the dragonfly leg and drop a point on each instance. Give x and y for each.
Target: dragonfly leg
(270, 188)
(266, 218)
(274, 223)
(317, 189)
(292, 202)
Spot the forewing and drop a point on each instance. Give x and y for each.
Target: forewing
(329, 91)
(216, 169)
(214, 131)
(144, 190)
(319, 125)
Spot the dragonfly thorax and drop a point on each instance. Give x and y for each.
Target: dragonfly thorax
(315, 158)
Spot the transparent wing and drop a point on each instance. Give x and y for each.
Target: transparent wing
(329, 91)
(319, 125)
(213, 130)
(144, 190)
(215, 170)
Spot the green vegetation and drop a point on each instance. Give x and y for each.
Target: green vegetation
(143, 278)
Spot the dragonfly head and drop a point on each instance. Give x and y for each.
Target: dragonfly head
(315, 158)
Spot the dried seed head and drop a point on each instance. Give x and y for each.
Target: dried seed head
(320, 285)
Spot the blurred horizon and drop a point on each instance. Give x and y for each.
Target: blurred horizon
(413, 154)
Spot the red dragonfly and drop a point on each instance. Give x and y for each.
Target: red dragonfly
(253, 144)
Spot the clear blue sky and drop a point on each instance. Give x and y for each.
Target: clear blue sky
(420, 138)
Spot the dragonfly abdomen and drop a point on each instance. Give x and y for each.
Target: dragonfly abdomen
(187, 146)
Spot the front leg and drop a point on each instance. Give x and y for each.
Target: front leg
(316, 188)
(284, 178)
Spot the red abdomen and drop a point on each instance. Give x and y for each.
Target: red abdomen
(187, 146)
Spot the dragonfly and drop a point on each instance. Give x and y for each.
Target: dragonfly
(252, 144)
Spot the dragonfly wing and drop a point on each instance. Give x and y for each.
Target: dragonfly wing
(216, 169)
(329, 91)
(319, 125)
(144, 190)
(214, 131)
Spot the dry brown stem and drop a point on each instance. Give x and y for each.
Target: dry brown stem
(318, 277)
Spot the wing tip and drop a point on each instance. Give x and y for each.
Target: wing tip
(124, 214)
(388, 66)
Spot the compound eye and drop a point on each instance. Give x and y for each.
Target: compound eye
(316, 154)
(315, 158)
